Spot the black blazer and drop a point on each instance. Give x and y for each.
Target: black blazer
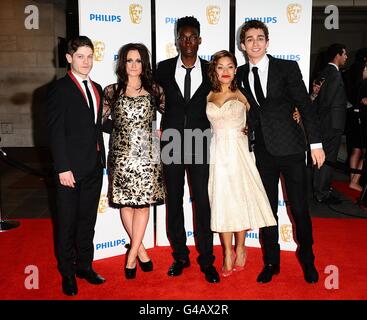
(178, 114)
(285, 91)
(73, 135)
(332, 100)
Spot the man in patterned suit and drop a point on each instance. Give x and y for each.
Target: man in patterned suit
(274, 88)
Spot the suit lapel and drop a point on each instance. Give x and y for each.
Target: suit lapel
(272, 79)
(96, 93)
(81, 91)
(78, 86)
(204, 75)
(172, 73)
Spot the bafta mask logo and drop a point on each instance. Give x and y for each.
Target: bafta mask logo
(103, 203)
(171, 50)
(136, 12)
(294, 12)
(99, 50)
(286, 233)
(213, 14)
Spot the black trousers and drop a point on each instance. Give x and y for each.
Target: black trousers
(293, 170)
(75, 221)
(323, 177)
(175, 179)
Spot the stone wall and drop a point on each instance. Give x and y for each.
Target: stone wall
(28, 62)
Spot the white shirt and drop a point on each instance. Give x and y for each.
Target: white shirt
(333, 64)
(196, 76)
(80, 81)
(263, 68)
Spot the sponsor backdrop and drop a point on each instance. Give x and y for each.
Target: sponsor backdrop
(213, 16)
(289, 26)
(111, 24)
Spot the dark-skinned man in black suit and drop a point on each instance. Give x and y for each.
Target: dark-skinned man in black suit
(184, 80)
(74, 124)
(274, 88)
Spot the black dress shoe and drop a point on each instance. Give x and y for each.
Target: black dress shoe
(130, 273)
(310, 273)
(69, 286)
(329, 200)
(267, 273)
(177, 267)
(146, 266)
(91, 276)
(211, 274)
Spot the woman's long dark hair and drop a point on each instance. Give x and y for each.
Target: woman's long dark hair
(146, 76)
(213, 77)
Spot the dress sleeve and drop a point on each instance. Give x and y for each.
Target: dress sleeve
(107, 102)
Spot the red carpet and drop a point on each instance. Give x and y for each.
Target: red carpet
(343, 187)
(338, 242)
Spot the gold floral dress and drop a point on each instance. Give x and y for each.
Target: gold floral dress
(134, 166)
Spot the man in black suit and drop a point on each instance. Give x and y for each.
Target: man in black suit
(74, 124)
(274, 88)
(331, 105)
(185, 83)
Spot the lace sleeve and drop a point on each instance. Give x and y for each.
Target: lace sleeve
(107, 100)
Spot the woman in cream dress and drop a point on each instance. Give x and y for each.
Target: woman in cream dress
(237, 196)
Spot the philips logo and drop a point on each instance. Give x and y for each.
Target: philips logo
(282, 203)
(190, 234)
(170, 20)
(293, 57)
(207, 57)
(104, 17)
(252, 235)
(110, 244)
(263, 19)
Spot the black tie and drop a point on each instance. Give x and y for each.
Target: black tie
(91, 105)
(258, 89)
(187, 87)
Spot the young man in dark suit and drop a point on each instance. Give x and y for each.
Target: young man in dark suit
(274, 88)
(184, 80)
(74, 124)
(331, 105)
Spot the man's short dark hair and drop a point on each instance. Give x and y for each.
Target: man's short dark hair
(253, 24)
(77, 42)
(333, 50)
(188, 22)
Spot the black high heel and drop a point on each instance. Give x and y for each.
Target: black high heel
(130, 273)
(146, 266)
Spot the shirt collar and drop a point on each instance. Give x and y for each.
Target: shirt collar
(197, 63)
(333, 64)
(262, 64)
(79, 78)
